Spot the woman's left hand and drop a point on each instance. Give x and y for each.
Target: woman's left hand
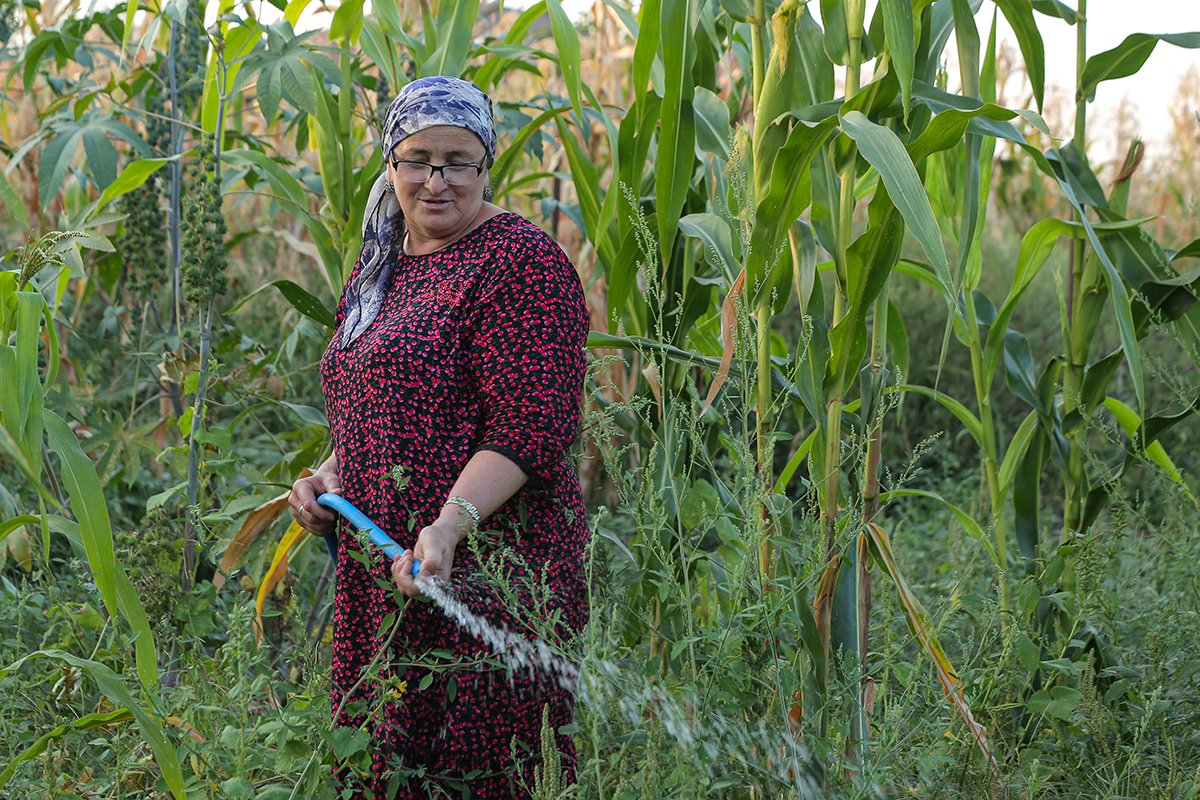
(435, 548)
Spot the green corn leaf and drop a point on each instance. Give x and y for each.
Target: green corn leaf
(897, 337)
(714, 232)
(899, 30)
(347, 22)
(566, 39)
(1016, 450)
(837, 39)
(587, 185)
(712, 123)
(1036, 246)
(127, 601)
(789, 194)
(489, 73)
(677, 136)
(817, 82)
(1128, 57)
(882, 149)
(973, 528)
(1026, 483)
(870, 260)
(456, 24)
(969, 420)
(1191, 250)
(1055, 8)
(1019, 14)
(88, 506)
(112, 687)
(1131, 423)
(646, 61)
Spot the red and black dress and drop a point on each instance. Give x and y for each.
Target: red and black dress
(478, 346)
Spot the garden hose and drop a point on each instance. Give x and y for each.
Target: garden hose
(363, 523)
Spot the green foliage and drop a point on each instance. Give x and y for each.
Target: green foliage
(734, 612)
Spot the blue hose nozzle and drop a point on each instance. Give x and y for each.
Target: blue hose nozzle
(363, 523)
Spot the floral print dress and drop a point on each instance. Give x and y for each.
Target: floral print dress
(478, 346)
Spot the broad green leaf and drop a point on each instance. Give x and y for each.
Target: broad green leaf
(347, 22)
(1026, 483)
(490, 72)
(718, 242)
(899, 29)
(587, 183)
(508, 159)
(973, 528)
(1055, 8)
(566, 40)
(88, 506)
(1128, 57)
(646, 59)
(712, 123)
(454, 37)
(1130, 423)
(55, 161)
(1019, 14)
(677, 136)
(789, 194)
(969, 420)
(127, 601)
(1036, 246)
(837, 39)
(882, 149)
(134, 175)
(870, 260)
(1016, 450)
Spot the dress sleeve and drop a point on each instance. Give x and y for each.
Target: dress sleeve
(527, 355)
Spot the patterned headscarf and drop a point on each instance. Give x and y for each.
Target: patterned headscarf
(419, 105)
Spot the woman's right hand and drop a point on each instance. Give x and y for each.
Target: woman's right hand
(313, 517)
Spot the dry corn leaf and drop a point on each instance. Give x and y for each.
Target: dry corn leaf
(729, 321)
(923, 628)
(294, 537)
(257, 521)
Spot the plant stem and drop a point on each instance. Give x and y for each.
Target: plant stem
(823, 607)
(991, 468)
(1073, 373)
(762, 317)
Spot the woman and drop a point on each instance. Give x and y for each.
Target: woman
(453, 385)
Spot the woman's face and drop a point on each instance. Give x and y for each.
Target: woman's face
(436, 211)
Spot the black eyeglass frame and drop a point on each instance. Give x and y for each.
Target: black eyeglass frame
(396, 162)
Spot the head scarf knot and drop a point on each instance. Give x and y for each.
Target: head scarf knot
(425, 102)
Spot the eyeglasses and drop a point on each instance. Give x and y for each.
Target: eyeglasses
(453, 174)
